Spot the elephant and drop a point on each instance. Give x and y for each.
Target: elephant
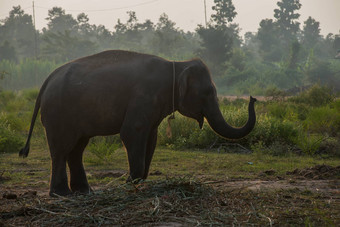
(126, 93)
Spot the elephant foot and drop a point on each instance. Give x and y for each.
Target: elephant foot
(83, 191)
(134, 181)
(60, 192)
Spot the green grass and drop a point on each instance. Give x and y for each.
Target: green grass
(206, 164)
(183, 193)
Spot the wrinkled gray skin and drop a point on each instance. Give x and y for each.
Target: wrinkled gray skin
(121, 92)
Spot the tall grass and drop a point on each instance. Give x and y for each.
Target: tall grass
(29, 73)
(292, 125)
(307, 124)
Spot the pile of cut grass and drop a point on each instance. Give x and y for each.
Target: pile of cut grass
(174, 201)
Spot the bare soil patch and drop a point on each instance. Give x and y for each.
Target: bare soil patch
(318, 172)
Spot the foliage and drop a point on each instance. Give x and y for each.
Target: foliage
(216, 44)
(311, 33)
(324, 120)
(268, 38)
(273, 61)
(16, 30)
(282, 126)
(103, 148)
(29, 73)
(10, 141)
(7, 52)
(225, 12)
(61, 46)
(315, 96)
(286, 18)
(262, 61)
(219, 36)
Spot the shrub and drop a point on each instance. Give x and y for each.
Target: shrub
(315, 96)
(28, 73)
(30, 94)
(309, 143)
(275, 94)
(104, 147)
(181, 129)
(9, 140)
(6, 97)
(323, 120)
(269, 130)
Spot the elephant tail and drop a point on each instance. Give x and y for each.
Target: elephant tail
(24, 151)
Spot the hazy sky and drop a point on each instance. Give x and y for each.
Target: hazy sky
(186, 13)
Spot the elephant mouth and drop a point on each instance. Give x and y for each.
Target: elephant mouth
(200, 119)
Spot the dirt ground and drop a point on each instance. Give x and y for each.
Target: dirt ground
(300, 197)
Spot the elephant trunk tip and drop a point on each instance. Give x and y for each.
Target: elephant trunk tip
(252, 99)
(24, 151)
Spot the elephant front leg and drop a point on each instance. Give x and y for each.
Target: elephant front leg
(135, 142)
(150, 149)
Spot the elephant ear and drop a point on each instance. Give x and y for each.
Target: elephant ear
(183, 83)
(189, 104)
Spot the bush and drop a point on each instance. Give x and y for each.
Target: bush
(104, 147)
(181, 129)
(29, 73)
(309, 143)
(270, 130)
(315, 96)
(9, 140)
(323, 120)
(275, 94)
(30, 94)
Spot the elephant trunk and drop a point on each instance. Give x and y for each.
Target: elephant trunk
(221, 127)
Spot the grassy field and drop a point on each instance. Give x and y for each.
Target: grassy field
(285, 172)
(185, 188)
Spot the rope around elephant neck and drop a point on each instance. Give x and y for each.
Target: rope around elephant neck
(173, 89)
(168, 129)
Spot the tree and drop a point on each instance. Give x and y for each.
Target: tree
(294, 54)
(84, 28)
(286, 19)
(18, 30)
(269, 42)
(225, 12)
(64, 47)
(7, 51)
(220, 35)
(311, 33)
(58, 21)
(167, 36)
(216, 44)
(132, 35)
(103, 37)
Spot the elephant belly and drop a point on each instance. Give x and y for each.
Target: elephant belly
(83, 120)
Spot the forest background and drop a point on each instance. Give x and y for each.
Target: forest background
(282, 55)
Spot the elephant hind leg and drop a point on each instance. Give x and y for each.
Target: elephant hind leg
(78, 180)
(60, 145)
(58, 183)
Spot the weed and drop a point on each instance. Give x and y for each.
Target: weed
(103, 148)
(315, 96)
(323, 120)
(10, 141)
(309, 143)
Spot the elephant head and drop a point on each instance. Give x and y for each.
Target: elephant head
(198, 100)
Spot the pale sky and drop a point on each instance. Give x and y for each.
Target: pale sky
(185, 13)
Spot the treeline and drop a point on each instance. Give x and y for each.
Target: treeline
(282, 54)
